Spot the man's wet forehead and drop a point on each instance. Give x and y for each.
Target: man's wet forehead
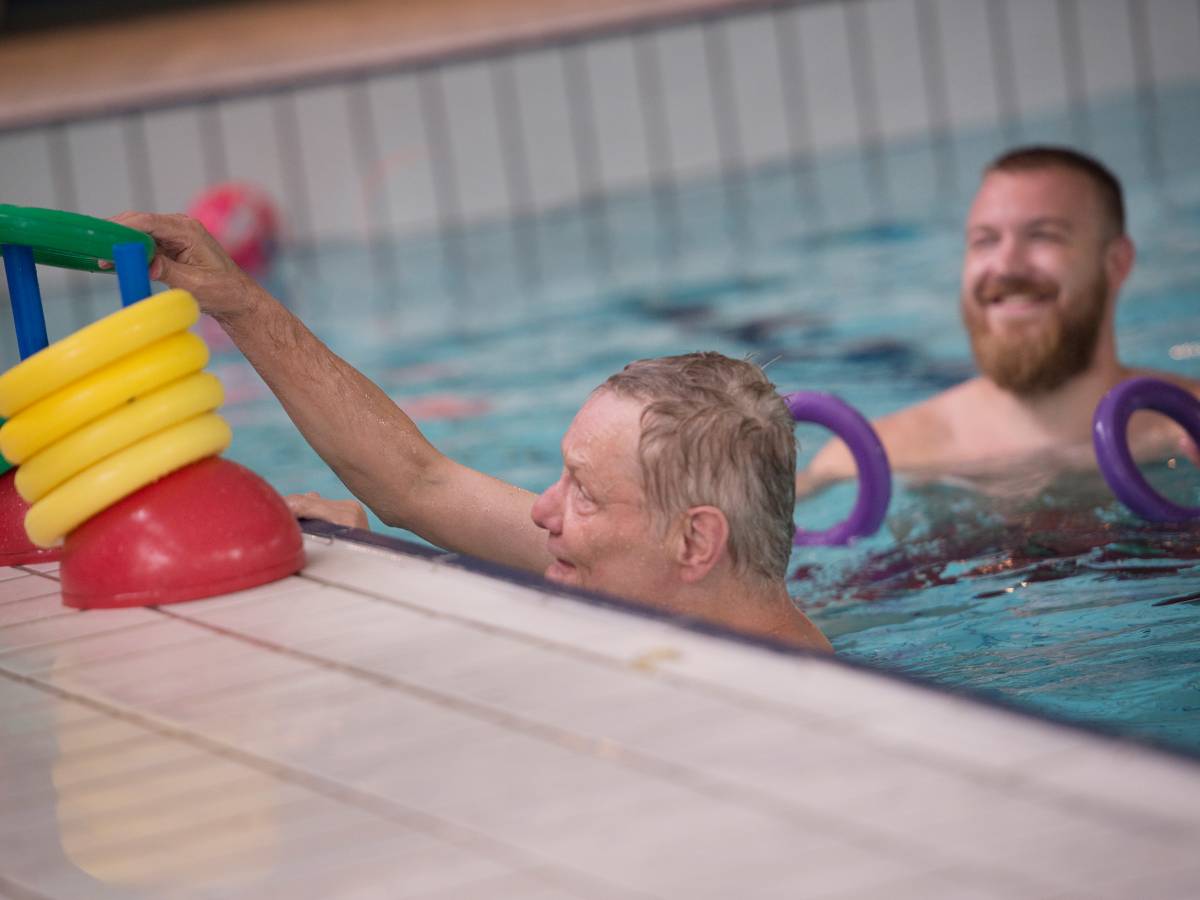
(603, 435)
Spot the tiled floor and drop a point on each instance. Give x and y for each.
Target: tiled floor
(391, 725)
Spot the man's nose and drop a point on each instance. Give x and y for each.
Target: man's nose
(1012, 256)
(547, 508)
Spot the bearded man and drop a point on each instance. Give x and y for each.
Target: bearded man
(1046, 255)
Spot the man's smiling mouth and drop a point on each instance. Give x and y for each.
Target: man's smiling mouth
(1015, 292)
(1021, 303)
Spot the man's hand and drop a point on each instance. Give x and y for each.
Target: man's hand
(311, 505)
(1189, 449)
(190, 258)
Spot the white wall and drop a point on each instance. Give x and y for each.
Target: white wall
(417, 150)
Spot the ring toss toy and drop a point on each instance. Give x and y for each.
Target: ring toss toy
(112, 437)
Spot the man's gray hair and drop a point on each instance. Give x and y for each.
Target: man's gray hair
(716, 433)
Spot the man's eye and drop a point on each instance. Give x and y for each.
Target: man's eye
(1050, 236)
(980, 241)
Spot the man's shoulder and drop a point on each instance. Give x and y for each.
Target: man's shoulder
(914, 437)
(917, 435)
(1188, 384)
(1151, 435)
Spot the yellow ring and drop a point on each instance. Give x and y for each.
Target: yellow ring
(99, 487)
(178, 401)
(95, 345)
(103, 390)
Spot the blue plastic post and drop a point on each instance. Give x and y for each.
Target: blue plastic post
(133, 272)
(26, 297)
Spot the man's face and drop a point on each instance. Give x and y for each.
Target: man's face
(1034, 288)
(599, 530)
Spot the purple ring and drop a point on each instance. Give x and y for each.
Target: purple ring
(1109, 427)
(874, 473)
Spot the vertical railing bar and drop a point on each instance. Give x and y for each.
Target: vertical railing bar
(212, 142)
(285, 120)
(66, 196)
(658, 142)
(445, 184)
(1076, 76)
(866, 105)
(66, 193)
(730, 147)
(523, 224)
(376, 205)
(933, 70)
(999, 28)
(797, 114)
(581, 116)
(1146, 89)
(137, 159)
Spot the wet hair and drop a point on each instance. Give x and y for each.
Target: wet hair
(716, 433)
(1108, 188)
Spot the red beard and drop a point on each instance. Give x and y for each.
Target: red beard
(1035, 360)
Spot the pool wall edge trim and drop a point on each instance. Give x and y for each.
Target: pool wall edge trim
(321, 529)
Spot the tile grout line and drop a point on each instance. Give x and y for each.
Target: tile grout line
(37, 574)
(51, 593)
(621, 755)
(18, 891)
(66, 640)
(1068, 799)
(1010, 779)
(445, 830)
(645, 764)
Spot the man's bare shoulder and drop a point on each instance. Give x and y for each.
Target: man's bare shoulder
(1188, 384)
(915, 437)
(1151, 435)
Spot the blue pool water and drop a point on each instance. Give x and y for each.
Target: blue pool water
(493, 337)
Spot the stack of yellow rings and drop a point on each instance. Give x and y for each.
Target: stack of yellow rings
(106, 411)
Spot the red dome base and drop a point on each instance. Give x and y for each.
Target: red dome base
(15, 547)
(209, 528)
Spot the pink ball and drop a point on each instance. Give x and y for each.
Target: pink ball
(243, 220)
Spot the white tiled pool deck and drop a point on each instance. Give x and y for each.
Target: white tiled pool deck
(401, 725)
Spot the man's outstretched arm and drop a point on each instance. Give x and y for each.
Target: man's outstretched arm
(832, 463)
(376, 450)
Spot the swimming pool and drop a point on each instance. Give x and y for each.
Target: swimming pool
(492, 336)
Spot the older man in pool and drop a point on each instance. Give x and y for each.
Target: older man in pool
(677, 481)
(1046, 254)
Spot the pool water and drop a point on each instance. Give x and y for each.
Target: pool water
(1057, 600)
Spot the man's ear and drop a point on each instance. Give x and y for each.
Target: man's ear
(1118, 260)
(703, 542)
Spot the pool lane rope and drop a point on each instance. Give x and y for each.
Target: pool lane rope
(108, 410)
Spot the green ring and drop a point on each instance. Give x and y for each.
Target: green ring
(65, 239)
(5, 465)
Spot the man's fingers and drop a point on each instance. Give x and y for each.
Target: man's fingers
(1189, 449)
(174, 234)
(312, 505)
(170, 238)
(299, 504)
(357, 516)
(172, 273)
